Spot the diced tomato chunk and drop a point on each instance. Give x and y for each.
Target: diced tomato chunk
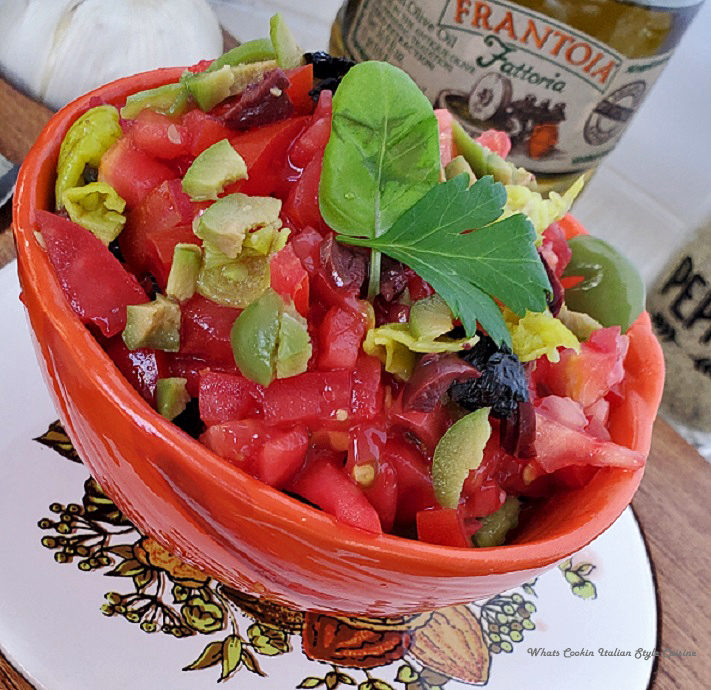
(307, 245)
(282, 456)
(325, 484)
(446, 145)
(312, 398)
(588, 375)
(96, 285)
(312, 141)
(238, 441)
(428, 427)
(189, 368)
(204, 130)
(132, 173)
(496, 141)
(301, 206)
(441, 526)
(159, 136)
(301, 81)
(224, 397)
(205, 330)
(142, 368)
(414, 484)
(264, 151)
(340, 335)
(290, 279)
(558, 445)
(367, 395)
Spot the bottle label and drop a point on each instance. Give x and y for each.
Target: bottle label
(563, 97)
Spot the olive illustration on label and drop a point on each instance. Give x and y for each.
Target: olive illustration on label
(613, 112)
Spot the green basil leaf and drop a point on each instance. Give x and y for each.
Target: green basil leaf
(383, 153)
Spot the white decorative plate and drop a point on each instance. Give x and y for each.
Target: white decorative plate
(88, 602)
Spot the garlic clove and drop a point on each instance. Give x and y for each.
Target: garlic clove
(61, 55)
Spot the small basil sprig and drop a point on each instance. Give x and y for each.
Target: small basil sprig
(383, 154)
(379, 189)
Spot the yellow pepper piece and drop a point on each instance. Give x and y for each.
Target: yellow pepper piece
(97, 207)
(395, 346)
(537, 334)
(542, 212)
(86, 141)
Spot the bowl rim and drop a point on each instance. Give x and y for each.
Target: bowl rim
(37, 275)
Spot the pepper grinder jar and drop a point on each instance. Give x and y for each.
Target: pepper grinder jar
(680, 306)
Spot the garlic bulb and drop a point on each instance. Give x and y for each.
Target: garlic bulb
(57, 50)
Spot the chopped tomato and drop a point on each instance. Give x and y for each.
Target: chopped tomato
(301, 81)
(558, 445)
(367, 393)
(340, 335)
(445, 526)
(427, 427)
(239, 441)
(496, 141)
(159, 136)
(312, 398)
(446, 145)
(162, 220)
(132, 173)
(414, 484)
(307, 244)
(282, 456)
(290, 279)
(589, 375)
(312, 141)
(142, 368)
(204, 130)
(205, 330)
(324, 483)
(96, 285)
(264, 151)
(301, 206)
(224, 397)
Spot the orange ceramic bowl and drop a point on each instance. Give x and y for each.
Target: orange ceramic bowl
(245, 533)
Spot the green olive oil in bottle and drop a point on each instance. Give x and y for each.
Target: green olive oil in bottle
(562, 77)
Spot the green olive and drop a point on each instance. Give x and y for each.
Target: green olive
(612, 291)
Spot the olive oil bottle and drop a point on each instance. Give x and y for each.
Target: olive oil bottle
(562, 77)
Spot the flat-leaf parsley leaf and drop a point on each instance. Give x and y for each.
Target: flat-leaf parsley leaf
(452, 239)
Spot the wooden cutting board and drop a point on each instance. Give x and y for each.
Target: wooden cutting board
(21, 120)
(672, 503)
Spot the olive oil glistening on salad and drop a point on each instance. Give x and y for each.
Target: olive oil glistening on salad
(562, 77)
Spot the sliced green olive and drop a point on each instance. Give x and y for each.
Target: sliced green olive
(612, 291)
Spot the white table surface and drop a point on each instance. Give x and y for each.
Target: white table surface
(650, 192)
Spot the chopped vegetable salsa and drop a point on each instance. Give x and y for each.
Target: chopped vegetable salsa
(349, 297)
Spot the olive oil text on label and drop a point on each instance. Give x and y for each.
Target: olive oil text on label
(563, 96)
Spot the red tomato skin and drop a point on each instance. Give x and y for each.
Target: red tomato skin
(290, 279)
(301, 81)
(324, 483)
(367, 393)
(205, 330)
(264, 150)
(441, 526)
(154, 227)
(312, 398)
(132, 173)
(301, 206)
(96, 285)
(383, 494)
(223, 397)
(307, 245)
(158, 135)
(340, 335)
(427, 427)
(142, 368)
(312, 141)
(414, 484)
(238, 441)
(203, 130)
(282, 456)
